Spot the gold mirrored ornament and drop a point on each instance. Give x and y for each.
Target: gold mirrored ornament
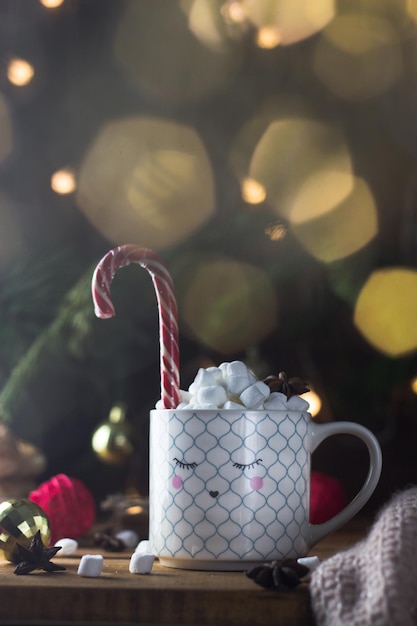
(20, 520)
(112, 441)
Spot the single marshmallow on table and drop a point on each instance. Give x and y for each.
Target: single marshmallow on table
(67, 545)
(130, 538)
(312, 562)
(141, 563)
(143, 547)
(90, 565)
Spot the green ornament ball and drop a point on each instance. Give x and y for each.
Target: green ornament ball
(20, 520)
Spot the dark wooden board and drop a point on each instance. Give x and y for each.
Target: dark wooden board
(166, 596)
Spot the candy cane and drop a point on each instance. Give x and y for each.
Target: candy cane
(167, 307)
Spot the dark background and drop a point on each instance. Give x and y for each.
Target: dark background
(61, 370)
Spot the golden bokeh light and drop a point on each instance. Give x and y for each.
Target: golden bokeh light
(411, 9)
(172, 58)
(156, 192)
(320, 194)
(20, 72)
(290, 151)
(314, 401)
(227, 305)
(337, 230)
(6, 132)
(385, 311)
(233, 12)
(63, 181)
(52, 4)
(252, 191)
(207, 22)
(271, 109)
(294, 20)
(268, 37)
(358, 56)
(275, 232)
(413, 385)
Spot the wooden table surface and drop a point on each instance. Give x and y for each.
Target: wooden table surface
(167, 596)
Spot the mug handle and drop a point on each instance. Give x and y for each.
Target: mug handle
(320, 432)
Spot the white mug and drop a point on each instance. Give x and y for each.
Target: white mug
(231, 489)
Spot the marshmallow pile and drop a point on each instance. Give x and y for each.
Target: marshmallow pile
(231, 386)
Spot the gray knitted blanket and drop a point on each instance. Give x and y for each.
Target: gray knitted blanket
(374, 582)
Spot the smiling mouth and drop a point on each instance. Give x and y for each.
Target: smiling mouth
(214, 494)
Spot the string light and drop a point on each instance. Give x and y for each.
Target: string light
(252, 191)
(268, 37)
(51, 4)
(20, 72)
(314, 401)
(63, 181)
(233, 12)
(275, 232)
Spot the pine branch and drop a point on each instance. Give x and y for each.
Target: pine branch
(73, 362)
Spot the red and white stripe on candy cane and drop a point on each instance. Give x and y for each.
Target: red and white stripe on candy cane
(167, 308)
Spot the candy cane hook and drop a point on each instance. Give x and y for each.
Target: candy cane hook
(167, 308)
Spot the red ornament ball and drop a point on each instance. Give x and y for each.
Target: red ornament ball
(327, 497)
(69, 505)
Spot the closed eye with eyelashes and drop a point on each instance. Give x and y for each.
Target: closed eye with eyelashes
(184, 465)
(243, 466)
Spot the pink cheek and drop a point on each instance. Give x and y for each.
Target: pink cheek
(177, 482)
(256, 483)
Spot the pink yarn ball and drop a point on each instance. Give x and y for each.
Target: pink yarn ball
(69, 505)
(327, 497)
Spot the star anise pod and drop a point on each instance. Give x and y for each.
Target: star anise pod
(276, 575)
(107, 541)
(290, 387)
(36, 557)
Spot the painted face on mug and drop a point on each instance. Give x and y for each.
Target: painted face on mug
(233, 481)
(216, 467)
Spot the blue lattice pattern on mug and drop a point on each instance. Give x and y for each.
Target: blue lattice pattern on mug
(229, 488)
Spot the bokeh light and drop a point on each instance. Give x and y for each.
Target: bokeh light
(385, 311)
(314, 401)
(292, 150)
(213, 23)
(320, 194)
(293, 20)
(227, 305)
(20, 72)
(275, 232)
(411, 9)
(272, 109)
(63, 181)
(252, 191)
(52, 4)
(330, 225)
(233, 12)
(413, 385)
(148, 181)
(6, 133)
(358, 56)
(163, 57)
(268, 37)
